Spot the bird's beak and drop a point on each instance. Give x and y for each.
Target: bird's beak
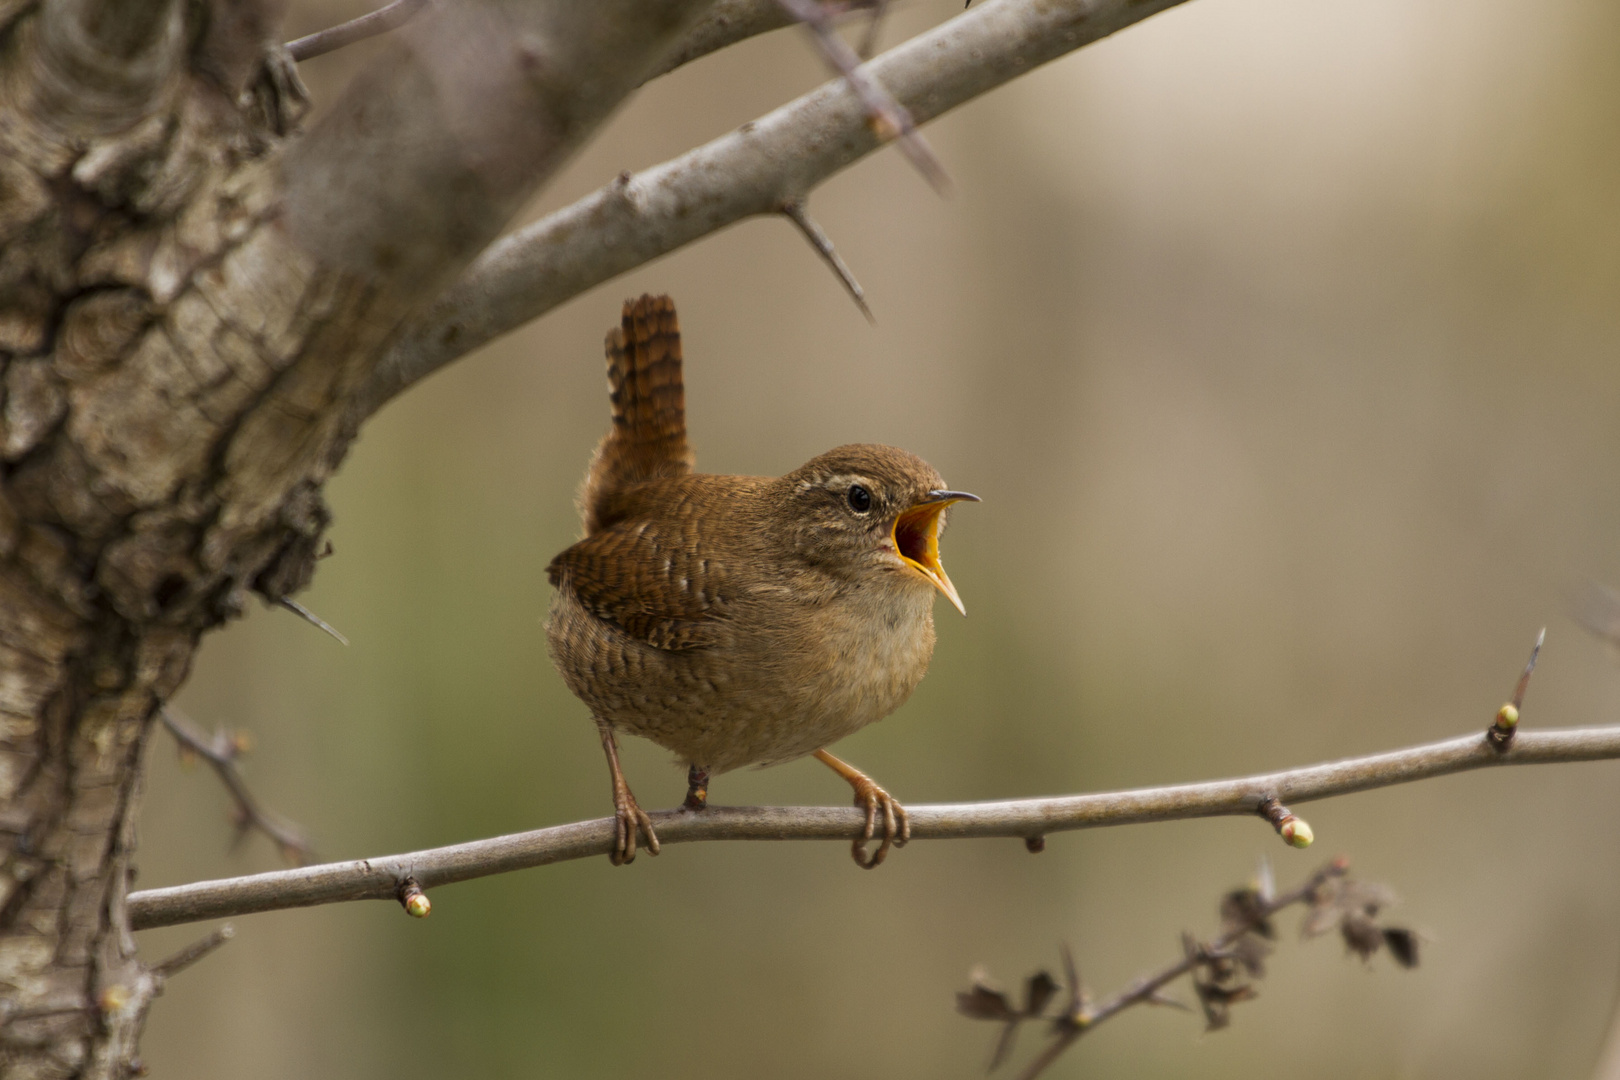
(916, 538)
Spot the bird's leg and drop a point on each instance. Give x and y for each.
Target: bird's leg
(630, 818)
(697, 787)
(870, 797)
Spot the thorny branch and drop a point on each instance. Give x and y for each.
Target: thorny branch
(1223, 970)
(1025, 819)
(752, 171)
(221, 753)
(726, 23)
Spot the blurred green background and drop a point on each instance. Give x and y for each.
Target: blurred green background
(1280, 341)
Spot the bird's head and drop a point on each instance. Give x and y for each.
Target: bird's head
(866, 510)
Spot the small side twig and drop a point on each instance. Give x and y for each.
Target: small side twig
(384, 19)
(796, 212)
(888, 118)
(221, 752)
(193, 952)
(1500, 733)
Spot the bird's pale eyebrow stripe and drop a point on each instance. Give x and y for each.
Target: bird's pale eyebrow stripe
(843, 480)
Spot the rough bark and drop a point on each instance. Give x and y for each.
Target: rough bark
(190, 294)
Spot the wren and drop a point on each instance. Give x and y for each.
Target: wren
(741, 620)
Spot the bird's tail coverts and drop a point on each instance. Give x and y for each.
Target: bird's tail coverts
(648, 436)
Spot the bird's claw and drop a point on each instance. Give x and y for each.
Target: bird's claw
(629, 819)
(896, 825)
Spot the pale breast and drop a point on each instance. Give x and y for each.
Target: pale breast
(788, 678)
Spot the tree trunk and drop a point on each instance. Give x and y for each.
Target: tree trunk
(190, 301)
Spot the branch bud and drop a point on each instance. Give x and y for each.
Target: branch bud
(1500, 734)
(414, 900)
(1294, 830)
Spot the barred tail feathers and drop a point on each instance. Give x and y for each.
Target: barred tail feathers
(648, 436)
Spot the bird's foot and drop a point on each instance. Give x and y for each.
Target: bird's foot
(629, 820)
(871, 797)
(896, 825)
(628, 817)
(697, 788)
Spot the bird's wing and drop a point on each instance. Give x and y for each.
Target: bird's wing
(648, 583)
(645, 386)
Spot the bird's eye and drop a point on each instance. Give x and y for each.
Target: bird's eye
(860, 500)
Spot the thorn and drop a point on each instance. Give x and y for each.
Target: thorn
(1158, 998)
(795, 212)
(1071, 979)
(1529, 669)
(310, 617)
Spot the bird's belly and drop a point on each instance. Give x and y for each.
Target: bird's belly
(765, 696)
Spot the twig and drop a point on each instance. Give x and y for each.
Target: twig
(221, 752)
(384, 19)
(795, 212)
(193, 952)
(886, 116)
(751, 171)
(378, 878)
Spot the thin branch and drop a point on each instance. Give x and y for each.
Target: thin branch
(800, 216)
(886, 116)
(221, 752)
(193, 952)
(1080, 1018)
(776, 159)
(379, 878)
(384, 19)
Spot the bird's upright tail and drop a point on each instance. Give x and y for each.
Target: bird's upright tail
(648, 437)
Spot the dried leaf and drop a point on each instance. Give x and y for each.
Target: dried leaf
(1038, 992)
(1242, 909)
(1251, 952)
(1403, 945)
(985, 1001)
(1361, 935)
